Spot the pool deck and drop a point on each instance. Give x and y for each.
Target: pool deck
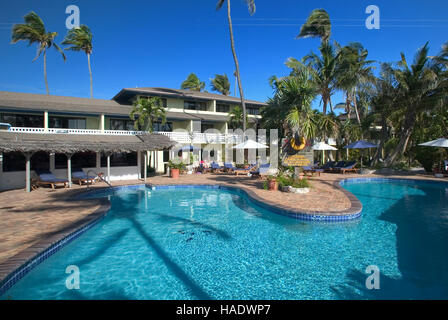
(31, 222)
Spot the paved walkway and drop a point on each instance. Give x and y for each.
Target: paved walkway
(31, 222)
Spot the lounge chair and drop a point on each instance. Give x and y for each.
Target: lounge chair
(348, 167)
(216, 167)
(45, 178)
(312, 170)
(327, 166)
(262, 170)
(78, 175)
(202, 168)
(244, 170)
(335, 167)
(229, 167)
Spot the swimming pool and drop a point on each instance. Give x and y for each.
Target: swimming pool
(197, 243)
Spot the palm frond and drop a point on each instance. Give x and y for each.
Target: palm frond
(219, 4)
(318, 25)
(251, 6)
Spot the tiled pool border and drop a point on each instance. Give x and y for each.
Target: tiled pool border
(352, 213)
(45, 250)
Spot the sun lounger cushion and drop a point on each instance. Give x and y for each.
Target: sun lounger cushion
(340, 164)
(49, 177)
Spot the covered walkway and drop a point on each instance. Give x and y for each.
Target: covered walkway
(69, 144)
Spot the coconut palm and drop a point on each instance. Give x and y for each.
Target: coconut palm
(442, 57)
(193, 83)
(354, 70)
(80, 39)
(148, 110)
(221, 84)
(236, 117)
(420, 88)
(324, 70)
(33, 31)
(292, 103)
(328, 125)
(251, 6)
(317, 25)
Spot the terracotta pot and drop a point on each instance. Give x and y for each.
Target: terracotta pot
(273, 185)
(174, 173)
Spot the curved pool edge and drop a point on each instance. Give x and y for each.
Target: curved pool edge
(41, 251)
(47, 247)
(351, 213)
(57, 242)
(412, 180)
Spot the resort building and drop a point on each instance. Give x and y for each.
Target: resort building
(97, 132)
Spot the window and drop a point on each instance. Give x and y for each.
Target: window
(195, 105)
(121, 124)
(121, 159)
(79, 160)
(13, 161)
(252, 109)
(206, 126)
(67, 123)
(23, 120)
(220, 107)
(167, 127)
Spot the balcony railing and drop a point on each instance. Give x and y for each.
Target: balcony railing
(181, 137)
(74, 131)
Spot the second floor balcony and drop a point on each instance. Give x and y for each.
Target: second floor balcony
(183, 137)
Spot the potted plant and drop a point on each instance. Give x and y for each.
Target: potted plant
(175, 169)
(272, 183)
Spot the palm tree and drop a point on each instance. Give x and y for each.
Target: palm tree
(80, 39)
(442, 57)
(33, 31)
(148, 110)
(221, 84)
(328, 125)
(251, 6)
(354, 71)
(419, 88)
(291, 104)
(324, 70)
(317, 25)
(236, 117)
(383, 103)
(193, 83)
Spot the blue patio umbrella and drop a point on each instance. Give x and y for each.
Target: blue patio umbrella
(361, 144)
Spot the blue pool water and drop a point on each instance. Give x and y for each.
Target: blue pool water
(193, 243)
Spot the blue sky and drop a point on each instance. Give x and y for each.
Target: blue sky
(158, 43)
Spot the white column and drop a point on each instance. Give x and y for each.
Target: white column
(52, 162)
(28, 171)
(102, 122)
(139, 164)
(46, 120)
(1, 163)
(98, 161)
(69, 169)
(108, 167)
(145, 167)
